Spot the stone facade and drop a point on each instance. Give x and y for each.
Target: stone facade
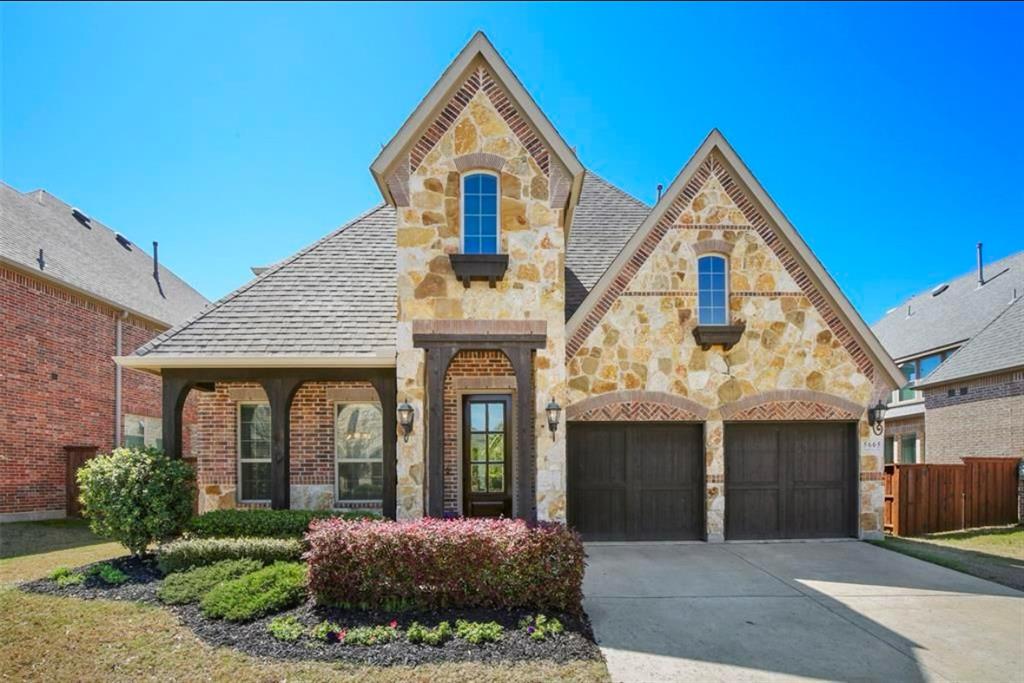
(795, 360)
(312, 472)
(481, 128)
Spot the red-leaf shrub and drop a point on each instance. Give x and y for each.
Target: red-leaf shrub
(435, 563)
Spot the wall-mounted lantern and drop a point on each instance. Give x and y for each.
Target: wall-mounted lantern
(405, 415)
(876, 417)
(554, 411)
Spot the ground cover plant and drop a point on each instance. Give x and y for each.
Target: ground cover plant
(478, 632)
(265, 591)
(192, 585)
(286, 628)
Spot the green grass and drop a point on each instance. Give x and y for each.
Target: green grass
(67, 639)
(993, 553)
(33, 538)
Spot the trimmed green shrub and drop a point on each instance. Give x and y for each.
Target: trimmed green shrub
(477, 632)
(199, 552)
(418, 633)
(437, 563)
(278, 587)
(65, 576)
(263, 522)
(108, 574)
(136, 497)
(190, 586)
(287, 628)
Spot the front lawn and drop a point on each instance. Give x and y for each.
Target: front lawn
(993, 553)
(127, 635)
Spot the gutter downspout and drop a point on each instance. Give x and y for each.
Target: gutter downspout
(117, 381)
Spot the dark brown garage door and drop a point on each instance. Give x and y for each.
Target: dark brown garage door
(790, 480)
(638, 481)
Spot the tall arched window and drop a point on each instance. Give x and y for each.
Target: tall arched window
(712, 290)
(480, 213)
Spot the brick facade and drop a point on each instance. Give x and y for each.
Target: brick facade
(57, 387)
(488, 367)
(986, 420)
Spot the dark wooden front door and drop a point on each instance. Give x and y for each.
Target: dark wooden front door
(790, 480)
(76, 457)
(486, 456)
(636, 481)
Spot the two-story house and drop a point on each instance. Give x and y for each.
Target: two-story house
(508, 334)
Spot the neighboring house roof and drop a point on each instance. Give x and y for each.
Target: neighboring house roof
(605, 219)
(819, 277)
(440, 92)
(998, 347)
(336, 299)
(953, 316)
(87, 256)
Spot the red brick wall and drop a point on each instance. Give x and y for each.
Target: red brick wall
(57, 386)
(312, 434)
(465, 364)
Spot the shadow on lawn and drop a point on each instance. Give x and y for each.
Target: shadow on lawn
(18, 539)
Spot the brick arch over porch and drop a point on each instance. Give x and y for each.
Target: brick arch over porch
(792, 404)
(636, 406)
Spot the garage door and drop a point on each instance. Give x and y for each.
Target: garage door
(638, 481)
(790, 480)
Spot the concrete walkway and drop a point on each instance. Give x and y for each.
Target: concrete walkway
(840, 610)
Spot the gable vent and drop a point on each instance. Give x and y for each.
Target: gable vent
(123, 241)
(81, 217)
(940, 289)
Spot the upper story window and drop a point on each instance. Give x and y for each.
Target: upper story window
(712, 290)
(480, 213)
(914, 371)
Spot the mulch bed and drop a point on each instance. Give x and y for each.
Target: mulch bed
(575, 643)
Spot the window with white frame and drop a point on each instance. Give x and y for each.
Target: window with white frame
(141, 431)
(359, 452)
(712, 290)
(480, 213)
(254, 452)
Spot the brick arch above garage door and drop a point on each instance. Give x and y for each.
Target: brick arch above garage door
(636, 406)
(792, 404)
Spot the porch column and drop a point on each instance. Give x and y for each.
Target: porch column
(280, 391)
(438, 359)
(526, 403)
(174, 389)
(387, 393)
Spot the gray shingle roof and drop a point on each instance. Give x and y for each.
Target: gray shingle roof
(997, 347)
(88, 259)
(335, 297)
(605, 219)
(955, 315)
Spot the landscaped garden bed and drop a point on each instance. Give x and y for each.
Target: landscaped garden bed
(302, 585)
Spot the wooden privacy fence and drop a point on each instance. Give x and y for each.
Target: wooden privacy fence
(923, 499)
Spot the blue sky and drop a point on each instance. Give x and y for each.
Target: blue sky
(234, 134)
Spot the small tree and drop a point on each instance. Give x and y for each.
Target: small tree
(136, 497)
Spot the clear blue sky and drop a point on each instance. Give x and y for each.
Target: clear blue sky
(891, 135)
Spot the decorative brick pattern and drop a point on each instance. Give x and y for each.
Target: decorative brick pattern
(57, 387)
(793, 410)
(637, 412)
(648, 406)
(477, 365)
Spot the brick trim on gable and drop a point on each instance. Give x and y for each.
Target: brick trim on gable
(479, 79)
(636, 406)
(712, 166)
(792, 404)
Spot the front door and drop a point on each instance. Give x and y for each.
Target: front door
(486, 459)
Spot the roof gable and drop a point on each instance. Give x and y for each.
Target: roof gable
(717, 165)
(478, 66)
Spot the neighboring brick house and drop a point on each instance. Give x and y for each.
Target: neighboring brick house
(509, 334)
(945, 340)
(73, 294)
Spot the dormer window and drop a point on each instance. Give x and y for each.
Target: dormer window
(480, 213)
(712, 290)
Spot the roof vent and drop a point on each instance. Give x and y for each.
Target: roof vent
(940, 289)
(81, 217)
(123, 241)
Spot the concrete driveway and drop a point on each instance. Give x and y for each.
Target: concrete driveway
(840, 610)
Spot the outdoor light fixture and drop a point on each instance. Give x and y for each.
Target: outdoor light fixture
(554, 411)
(876, 416)
(405, 414)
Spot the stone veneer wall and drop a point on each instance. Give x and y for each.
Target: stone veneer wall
(215, 443)
(470, 372)
(481, 128)
(795, 361)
